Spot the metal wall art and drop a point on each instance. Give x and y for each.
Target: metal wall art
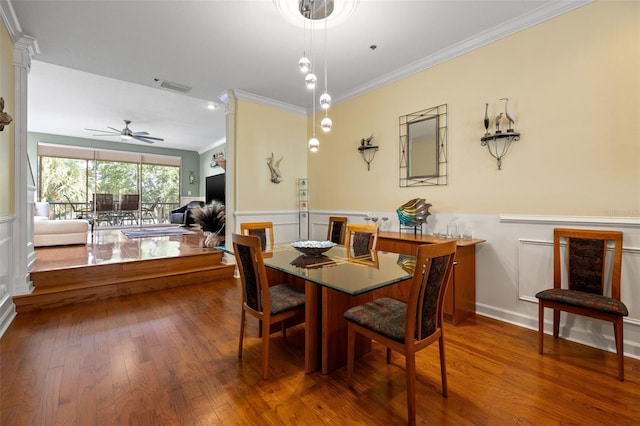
(499, 142)
(367, 150)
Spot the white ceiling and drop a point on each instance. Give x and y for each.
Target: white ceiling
(97, 60)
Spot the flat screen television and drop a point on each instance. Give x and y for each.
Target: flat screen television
(214, 188)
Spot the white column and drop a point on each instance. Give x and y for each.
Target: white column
(24, 48)
(228, 98)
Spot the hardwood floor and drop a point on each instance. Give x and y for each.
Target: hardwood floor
(111, 264)
(169, 357)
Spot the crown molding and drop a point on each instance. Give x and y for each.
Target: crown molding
(505, 29)
(11, 23)
(214, 145)
(10, 20)
(241, 94)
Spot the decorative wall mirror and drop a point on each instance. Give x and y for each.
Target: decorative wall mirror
(423, 147)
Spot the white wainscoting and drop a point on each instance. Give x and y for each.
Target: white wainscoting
(515, 263)
(285, 223)
(7, 308)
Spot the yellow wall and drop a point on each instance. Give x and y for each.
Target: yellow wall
(7, 139)
(574, 85)
(262, 130)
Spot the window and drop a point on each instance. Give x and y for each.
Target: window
(69, 177)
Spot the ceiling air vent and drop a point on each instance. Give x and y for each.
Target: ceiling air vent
(175, 86)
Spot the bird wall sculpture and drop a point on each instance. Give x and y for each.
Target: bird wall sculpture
(508, 114)
(498, 120)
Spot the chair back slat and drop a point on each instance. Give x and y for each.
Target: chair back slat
(361, 239)
(262, 230)
(585, 261)
(337, 228)
(586, 265)
(434, 265)
(252, 273)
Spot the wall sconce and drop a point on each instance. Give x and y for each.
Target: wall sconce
(367, 150)
(192, 178)
(498, 143)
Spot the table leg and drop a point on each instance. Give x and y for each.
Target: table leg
(334, 328)
(312, 327)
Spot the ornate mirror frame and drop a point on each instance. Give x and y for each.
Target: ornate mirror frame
(412, 142)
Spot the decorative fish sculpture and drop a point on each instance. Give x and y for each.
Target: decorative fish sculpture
(274, 167)
(413, 212)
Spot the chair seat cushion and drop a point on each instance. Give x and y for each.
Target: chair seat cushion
(584, 300)
(285, 298)
(385, 316)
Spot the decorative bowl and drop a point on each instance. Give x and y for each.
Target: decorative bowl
(312, 248)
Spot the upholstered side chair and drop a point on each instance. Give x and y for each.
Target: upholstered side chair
(408, 327)
(269, 304)
(584, 266)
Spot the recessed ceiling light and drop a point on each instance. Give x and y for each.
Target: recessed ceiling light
(212, 106)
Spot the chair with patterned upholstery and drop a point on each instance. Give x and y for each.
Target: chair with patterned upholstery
(408, 327)
(268, 304)
(336, 230)
(361, 239)
(583, 269)
(264, 230)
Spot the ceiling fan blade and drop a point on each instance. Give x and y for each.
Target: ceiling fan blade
(146, 139)
(112, 128)
(140, 133)
(103, 131)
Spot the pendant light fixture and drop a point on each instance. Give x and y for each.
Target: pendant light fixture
(325, 98)
(304, 64)
(314, 10)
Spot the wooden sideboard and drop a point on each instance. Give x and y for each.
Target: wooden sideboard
(460, 299)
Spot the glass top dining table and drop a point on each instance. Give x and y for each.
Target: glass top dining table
(346, 274)
(334, 282)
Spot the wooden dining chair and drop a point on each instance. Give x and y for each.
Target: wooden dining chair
(264, 230)
(584, 267)
(408, 327)
(337, 229)
(361, 239)
(269, 304)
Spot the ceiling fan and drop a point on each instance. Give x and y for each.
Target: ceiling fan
(126, 133)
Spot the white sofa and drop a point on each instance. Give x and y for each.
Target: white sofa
(57, 232)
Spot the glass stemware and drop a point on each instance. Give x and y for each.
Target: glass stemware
(384, 222)
(374, 219)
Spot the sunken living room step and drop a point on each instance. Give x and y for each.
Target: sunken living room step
(57, 287)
